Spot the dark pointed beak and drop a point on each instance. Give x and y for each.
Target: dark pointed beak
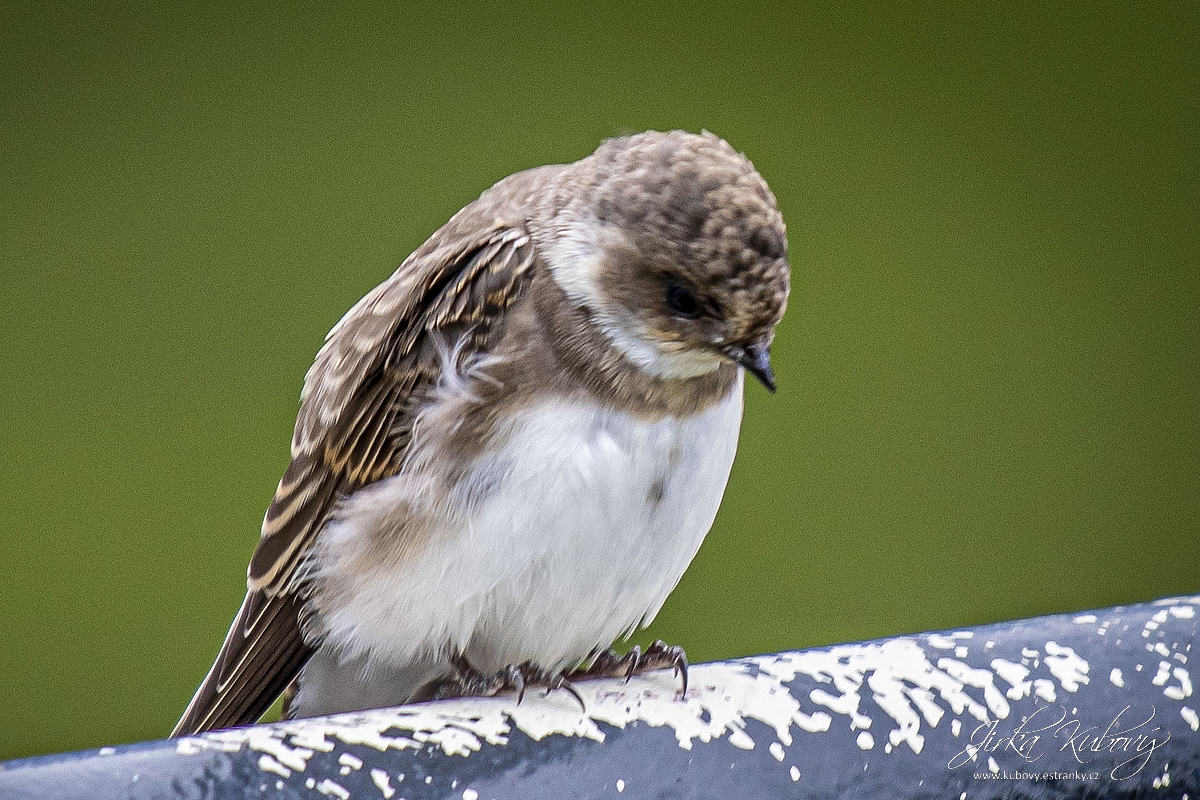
(756, 359)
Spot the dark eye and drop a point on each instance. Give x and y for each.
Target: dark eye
(682, 302)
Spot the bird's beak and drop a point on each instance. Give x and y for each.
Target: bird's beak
(755, 359)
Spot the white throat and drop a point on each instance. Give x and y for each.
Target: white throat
(576, 256)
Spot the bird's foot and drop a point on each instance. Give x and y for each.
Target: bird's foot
(659, 655)
(470, 682)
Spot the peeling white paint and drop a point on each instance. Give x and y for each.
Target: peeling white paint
(741, 740)
(845, 705)
(331, 788)
(910, 691)
(268, 764)
(891, 691)
(1164, 672)
(1014, 675)
(818, 722)
(1064, 664)
(1191, 717)
(979, 678)
(1184, 689)
(383, 782)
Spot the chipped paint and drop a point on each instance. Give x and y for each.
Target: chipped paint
(383, 783)
(1184, 689)
(1068, 668)
(331, 788)
(1191, 717)
(1014, 675)
(908, 692)
(895, 693)
(268, 764)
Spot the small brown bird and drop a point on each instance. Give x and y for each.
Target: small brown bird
(508, 452)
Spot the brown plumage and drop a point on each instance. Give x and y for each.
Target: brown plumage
(684, 206)
(355, 423)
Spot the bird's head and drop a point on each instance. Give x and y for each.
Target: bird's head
(675, 244)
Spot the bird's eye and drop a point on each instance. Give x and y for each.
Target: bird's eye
(682, 302)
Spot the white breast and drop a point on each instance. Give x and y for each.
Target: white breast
(579, 527)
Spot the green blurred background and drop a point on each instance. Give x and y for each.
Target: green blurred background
(989, 372)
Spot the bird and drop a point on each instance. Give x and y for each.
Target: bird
(507, 454)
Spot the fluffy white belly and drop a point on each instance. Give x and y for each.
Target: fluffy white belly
(580, 526)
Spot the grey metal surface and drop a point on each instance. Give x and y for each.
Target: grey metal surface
(1096, 704)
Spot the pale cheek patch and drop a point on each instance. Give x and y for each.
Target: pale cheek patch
(576, 258)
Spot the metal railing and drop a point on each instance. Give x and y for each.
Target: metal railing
(1095, 704)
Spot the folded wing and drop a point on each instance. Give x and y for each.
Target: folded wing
(360, 400)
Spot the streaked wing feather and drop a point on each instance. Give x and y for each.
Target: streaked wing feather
(357, 409)
(241, 684)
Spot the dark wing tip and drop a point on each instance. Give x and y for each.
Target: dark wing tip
(262, 654)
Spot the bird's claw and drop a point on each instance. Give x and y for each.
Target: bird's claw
(470, 682)
(658, 655)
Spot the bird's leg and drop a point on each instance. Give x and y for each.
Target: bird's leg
(659, 655)
(470, 682)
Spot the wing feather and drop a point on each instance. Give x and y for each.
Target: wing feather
(359, 403)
